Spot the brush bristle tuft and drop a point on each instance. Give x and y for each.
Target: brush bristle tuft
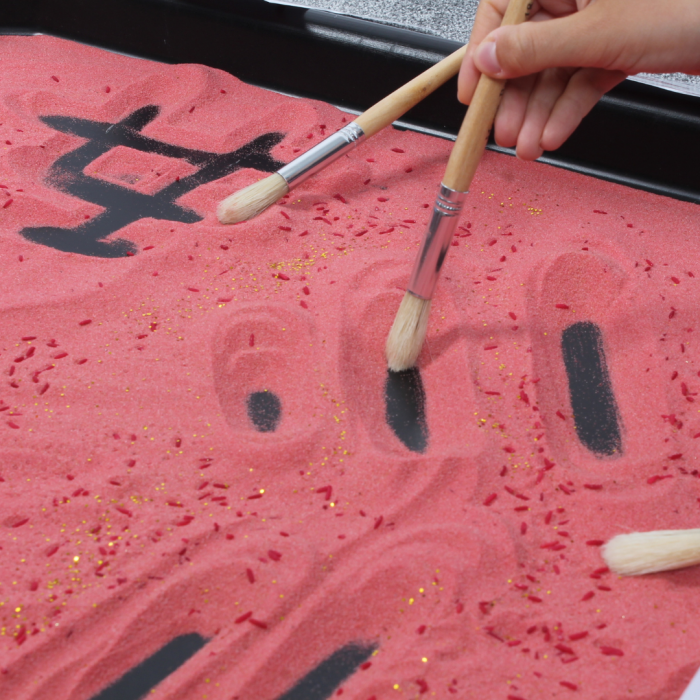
(408, 333)
(648, 552)
(252, 200)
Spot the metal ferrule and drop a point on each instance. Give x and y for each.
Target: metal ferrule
(436, 242)
(322, 154)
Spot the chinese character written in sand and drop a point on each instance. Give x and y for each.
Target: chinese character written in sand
(122, 205)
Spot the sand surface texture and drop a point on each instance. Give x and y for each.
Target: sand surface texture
(202, 453)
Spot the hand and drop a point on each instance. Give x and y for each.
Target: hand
(569, 54)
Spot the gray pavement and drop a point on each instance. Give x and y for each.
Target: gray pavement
(452, 19)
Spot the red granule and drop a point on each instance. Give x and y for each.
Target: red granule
(398, 150)
(598, 211)
(258, 623)
(55, 78)
(282, 276)
(534, 599)
(340, 198)
(490, 499)
(378, 521)
(595, 543)
(12, 425)
(564, 649)
(108, 89)
(570, 686)
(275, 556)
(86, 322)
(7, 204)
(675, 280)
(611, 651)
(577, 636)
(251, 575)
(655, 478)
(491, 633)
(365, 665)
(192, 289)
(52, 550)
(243, 617)
(187, 519)
(303, 304)
(421, 629)
(588, 596)
(490, 347)
(565, 489)
(676, 456)
(282, 228)
(382, 199)
(593, 487)
(251, 340)
(125, 511)
(328, 490)
(561, 415)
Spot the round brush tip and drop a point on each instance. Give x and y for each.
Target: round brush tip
(407, 333)
(252, 201)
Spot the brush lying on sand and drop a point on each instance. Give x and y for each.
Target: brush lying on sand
(648, 552)
(254, 199)
(410, 325)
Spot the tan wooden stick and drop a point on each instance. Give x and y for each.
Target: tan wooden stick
(400, 101)
(474, 132)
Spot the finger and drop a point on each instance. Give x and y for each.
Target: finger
(582, 92)
(511, 52)
(489, 16)
(511, 112)
(550, 86)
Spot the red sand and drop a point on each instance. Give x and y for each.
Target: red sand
(118, 435)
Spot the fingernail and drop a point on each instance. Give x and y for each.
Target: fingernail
(487, 59)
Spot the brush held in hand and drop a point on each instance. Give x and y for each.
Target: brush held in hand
(648, 552)
(410, 325)
(254, 199)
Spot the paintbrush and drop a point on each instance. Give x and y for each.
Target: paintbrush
(254, 199)
(410, 325)
(647, 552)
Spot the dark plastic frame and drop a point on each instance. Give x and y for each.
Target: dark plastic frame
(638, 135)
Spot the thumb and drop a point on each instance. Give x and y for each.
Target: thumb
(524, 49)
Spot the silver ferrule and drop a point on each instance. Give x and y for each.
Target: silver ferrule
(322, 154)
(437, 239)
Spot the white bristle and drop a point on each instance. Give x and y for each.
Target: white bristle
(648, 552)
(408, 333)
(252, 200)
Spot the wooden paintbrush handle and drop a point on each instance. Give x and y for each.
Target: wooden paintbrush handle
(476, 127)
(400, 101)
